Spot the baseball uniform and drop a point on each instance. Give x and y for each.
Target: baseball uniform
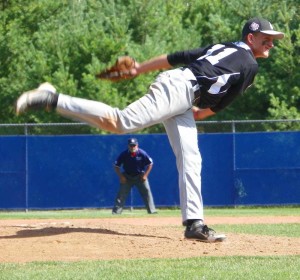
(211, 79)
(134, 164)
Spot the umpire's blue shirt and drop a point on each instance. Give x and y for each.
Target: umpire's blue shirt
(134, 163)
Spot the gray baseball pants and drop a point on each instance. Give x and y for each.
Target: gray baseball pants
(168, 101)
(143, 188)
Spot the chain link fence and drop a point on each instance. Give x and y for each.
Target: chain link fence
(248, 126)
(202, 126)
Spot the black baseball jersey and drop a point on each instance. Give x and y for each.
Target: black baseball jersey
(223, 71)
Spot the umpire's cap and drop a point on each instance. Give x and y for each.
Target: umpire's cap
(132, 141)
(256, 24)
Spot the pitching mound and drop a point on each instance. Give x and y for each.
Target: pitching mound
(131, 238)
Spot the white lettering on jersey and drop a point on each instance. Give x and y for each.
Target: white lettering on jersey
(214, 59)
(210, 51)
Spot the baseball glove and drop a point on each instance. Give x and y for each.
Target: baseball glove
(119, 71)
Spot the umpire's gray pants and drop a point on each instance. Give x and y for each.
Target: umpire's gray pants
(143, 188)
(168, 101)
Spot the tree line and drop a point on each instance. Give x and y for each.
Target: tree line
(67, 42)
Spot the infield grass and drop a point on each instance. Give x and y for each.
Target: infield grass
(106, 213)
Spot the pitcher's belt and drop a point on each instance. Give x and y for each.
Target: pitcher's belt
(188, 74)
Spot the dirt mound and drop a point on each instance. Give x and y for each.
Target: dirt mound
(131, 238)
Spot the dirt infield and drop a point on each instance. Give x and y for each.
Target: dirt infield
(131, 238)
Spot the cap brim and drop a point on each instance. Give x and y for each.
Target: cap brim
(275, 34)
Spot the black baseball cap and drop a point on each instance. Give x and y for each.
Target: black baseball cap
(132, 141)
(256, 24)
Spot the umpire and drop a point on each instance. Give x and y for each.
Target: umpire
(137, 165)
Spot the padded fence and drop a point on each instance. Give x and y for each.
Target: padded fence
(76, 171)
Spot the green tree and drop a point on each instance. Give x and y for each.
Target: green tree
(67, 42)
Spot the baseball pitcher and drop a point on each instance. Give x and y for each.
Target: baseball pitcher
(208, 80)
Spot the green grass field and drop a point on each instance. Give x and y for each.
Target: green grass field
(172, 212)
(274, 267)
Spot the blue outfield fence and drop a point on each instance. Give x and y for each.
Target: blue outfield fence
(76, 171)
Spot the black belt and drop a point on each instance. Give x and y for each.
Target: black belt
(189, 75)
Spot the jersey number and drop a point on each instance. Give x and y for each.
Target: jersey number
(214, 59)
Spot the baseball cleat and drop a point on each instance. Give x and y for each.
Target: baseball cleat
(203, 233)
(42, 97)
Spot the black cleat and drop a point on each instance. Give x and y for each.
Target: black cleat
(198, 231)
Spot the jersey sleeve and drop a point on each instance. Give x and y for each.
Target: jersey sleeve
(147, 160)
(184, 57)
(119, 161)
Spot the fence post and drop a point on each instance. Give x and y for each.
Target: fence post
(234, 161)
(26, 167)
